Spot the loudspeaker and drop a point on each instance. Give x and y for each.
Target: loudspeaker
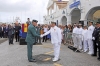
(22, 41)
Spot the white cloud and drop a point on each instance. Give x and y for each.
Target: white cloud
(34, 9)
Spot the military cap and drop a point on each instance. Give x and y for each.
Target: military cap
(34, 21)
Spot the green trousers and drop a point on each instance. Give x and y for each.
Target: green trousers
(29, 50)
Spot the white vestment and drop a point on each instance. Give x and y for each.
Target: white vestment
(80, 38)
(85, 43)
(56, 37)
(74, 36)
(89, 37)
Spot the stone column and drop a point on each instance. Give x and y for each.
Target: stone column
(68, 19)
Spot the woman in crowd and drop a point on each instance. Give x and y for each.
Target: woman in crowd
(65, 31)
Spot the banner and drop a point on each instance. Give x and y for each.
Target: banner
(24, 27)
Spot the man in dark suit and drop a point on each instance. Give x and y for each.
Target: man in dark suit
(10, 34)
(6, 32)
(17, 28)
(94, 40)
(97, 36)
(30, 39)
(4, 28)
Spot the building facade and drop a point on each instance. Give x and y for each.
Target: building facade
(75, 11)
(56, 11)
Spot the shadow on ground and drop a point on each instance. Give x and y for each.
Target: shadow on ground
(43, 59)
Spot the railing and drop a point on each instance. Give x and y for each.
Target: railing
(71, 38)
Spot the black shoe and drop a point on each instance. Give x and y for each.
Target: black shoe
(78, 51)
(33, 60)
(93, 55)
(74, 49)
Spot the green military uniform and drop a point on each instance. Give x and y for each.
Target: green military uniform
(30, 39)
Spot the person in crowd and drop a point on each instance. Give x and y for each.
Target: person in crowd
(10, 34)
(20, 33)
(60, 26)
(97, 37)
(38, 31)
(80, 29)
(0, 31)
(84, 39)
(13, 32)
(69, 28)
(55, 39)
(36, 38)
(45, 28)
(30, 39)
(17, 28)
(62, 30)
(28, 21)
(89, 35)
(6, 33)
(74, 35)
(65, 33)
(49, 36)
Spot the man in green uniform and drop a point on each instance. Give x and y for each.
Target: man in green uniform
(30, 39)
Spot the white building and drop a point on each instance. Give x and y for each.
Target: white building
(56, 12)
(76, 10)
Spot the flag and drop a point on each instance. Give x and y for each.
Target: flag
(59, 0)
(24, 27)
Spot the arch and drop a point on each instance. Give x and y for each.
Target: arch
(73, 10)
(91, 12)
(75, 15)
(64, 20)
